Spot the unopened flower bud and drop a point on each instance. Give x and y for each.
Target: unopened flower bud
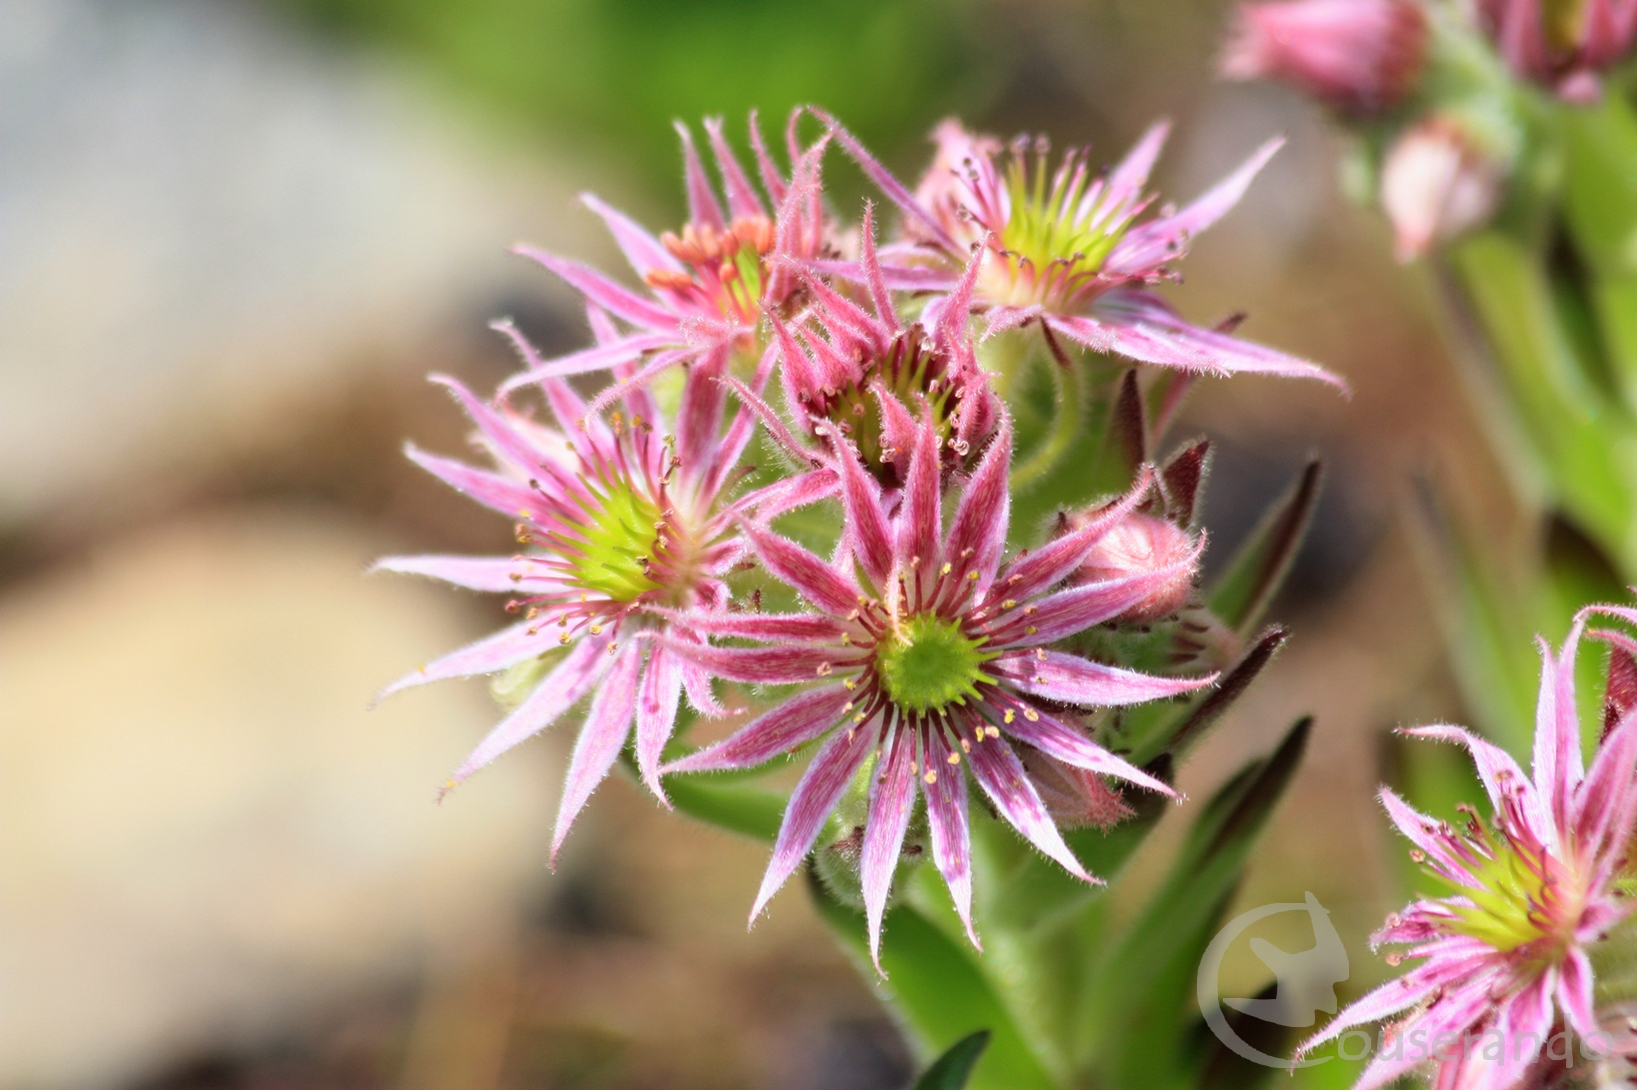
(1140, 544)
(1362, 56)
(1564, 45)
(1436, 184)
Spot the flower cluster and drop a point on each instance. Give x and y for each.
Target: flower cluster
(1506, 953)
(773, 359)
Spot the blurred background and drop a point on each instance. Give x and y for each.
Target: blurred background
(234, 236)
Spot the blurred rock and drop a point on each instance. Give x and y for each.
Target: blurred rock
(207, 834)
(204, 216)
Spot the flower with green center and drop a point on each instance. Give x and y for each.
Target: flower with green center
(1064, 248)
(923, 650)
(1565, 45)
(1505, 952)
(614, 523)
(927, 663)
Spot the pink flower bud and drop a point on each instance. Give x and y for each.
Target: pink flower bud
(1561, 44)
(1436, 184)
(1362, 56)
(1140, 544)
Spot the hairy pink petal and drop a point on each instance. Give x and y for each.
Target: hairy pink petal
(1078, 608)
(1125, 183)
(510, 498)
(617, 300)
(597, 358)
(508, 647)
(1499, 774)
(802, 627)
(607, 725)
(1558, 768)
(656, 713)
(921, 516)
(702, 205)
(742, 198)
(1149, 245)
(1073, 680)
(1423, 832)
(947, 821)
(1054, 561)
(892, 798)
(821, 787)
(867, 527)
(983, 514)
(1003, 779)
(767, 665)
(890, 186)
(486, 573)
(640, 247)
(787, 727)
(815, 580)
(556, 693)
(1057, 739)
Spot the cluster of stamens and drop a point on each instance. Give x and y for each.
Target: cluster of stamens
(609, 535)
(1526, 895)
(726, 265)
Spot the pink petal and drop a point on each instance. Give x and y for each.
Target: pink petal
(1078, 608)
(892, 798)
(815, 580)
(946, 818)
(556, 693)
(699, 420)
(765, 166)
(656, 713)
(870, 265)
(607, 725)
(1070, 679)
(495, 428)
(1558, 768)
(782, 730)
(1053, 561)
(1606, 803)
(1003, 779)
(498, 575)
(742, 198)
(1142, 326)
(1151, 244)
(775, 499)
(617, 300)
(640, 247)
(1574, 992)
(802, 627)
(1057, 739)
(983, 514)
(768, 665)
(1500, 775)
(1424, 833)
(497, 493)
(508, 647)
(921, 515)
(821, 787)
(598, 358)
(702, 206)
(867, 529)
(1126, 182)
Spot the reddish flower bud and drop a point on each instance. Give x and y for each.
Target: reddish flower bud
(1562, 44)
(1362, 56)
(1138, 545)
(1436, 184)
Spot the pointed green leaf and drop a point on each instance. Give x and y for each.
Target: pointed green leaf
(1258, 569)
(1181, 731)
(952, 1070)
(1137, 1004)
(937, 991)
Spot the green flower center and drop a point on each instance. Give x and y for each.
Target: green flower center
(1046, 226)
(1525, 896)
(928, 663)
(616, 543)
(911, 370)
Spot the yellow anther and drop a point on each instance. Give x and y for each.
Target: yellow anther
(954, 758)
(1030, 630)
(994, 732)
(851, 684)
(931, 776)
(1010, 715)
(946, 569)
(1031, 715)
(1010, 603)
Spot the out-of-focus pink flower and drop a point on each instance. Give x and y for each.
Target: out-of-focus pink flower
(923, 650)
(1504, 955)
(1362, 56)
(1064, 248)
(613, 519)
(1436, 184)
(1138, 544)
(862, 377)
(1564, 45)
(707, 286)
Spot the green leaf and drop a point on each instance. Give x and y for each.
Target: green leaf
(1258, 569)
(938, 992)
(1136, 1008)
(952, 1070)
(739, 808)
(1488, 619)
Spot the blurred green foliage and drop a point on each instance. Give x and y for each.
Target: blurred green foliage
(614, 73)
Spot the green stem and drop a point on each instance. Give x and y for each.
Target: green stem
(1070, 387)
